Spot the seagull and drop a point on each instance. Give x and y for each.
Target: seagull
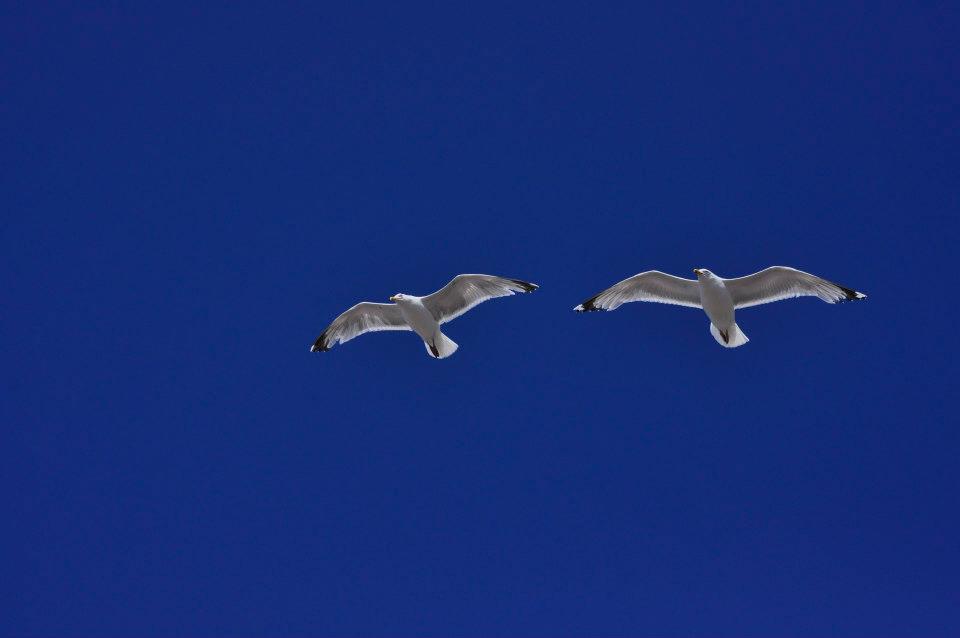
(719, 297)
(423, 315)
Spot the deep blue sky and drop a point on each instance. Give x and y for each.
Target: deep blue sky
(191, 195)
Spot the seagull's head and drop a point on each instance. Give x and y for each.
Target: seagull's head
(702, 272)
(398, 297)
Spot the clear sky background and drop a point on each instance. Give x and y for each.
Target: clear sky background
(190, 196)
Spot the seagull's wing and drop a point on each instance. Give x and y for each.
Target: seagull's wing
(652, 285)
(364, 317)
(466, 291)
(780, 282)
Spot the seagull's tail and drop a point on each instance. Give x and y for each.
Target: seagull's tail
(441, 347)
(734, 336)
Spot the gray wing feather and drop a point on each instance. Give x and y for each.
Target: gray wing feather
(780, 282)
(364, 317)
(651, 285)
(466, 291)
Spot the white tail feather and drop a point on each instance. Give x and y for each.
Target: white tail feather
(735, 336)
(441, 347)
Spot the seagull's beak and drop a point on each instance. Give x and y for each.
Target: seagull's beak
(696, 271)
(393, 298)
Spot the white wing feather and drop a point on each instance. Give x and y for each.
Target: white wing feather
(364, 317)
(780, 282)
(466, 291)
(652, 285)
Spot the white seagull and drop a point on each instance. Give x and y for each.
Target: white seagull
(719, 297)
(423, 315)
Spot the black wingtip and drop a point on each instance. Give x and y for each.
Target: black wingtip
(851, 295)
(526, 285)
(320, 345)
(588, 305)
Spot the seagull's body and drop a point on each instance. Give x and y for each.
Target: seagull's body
(419, 318)
(422, 315)
(720, 298)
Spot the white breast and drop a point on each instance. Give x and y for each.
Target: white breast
(716, 302)
(418, 317)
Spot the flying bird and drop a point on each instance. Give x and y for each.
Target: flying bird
(423, 315)
(719, 297)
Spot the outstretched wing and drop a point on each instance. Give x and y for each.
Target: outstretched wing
(364, 317)
(652, 285)
(466, 291)
(780, 282)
